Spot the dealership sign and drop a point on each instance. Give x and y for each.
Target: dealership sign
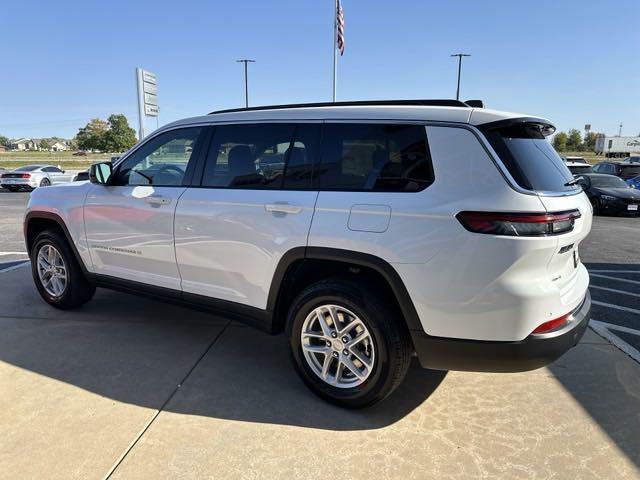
(147, 97)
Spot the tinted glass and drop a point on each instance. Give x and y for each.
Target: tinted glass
(302, 156)
(608, 181)
(28, 168)
(162, 161)
(577, 169)
(51, 170)
(629, 170)
(374, 157)
(530, 158)
(248, 156)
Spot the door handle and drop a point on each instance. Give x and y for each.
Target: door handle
(282, 208)
(157, 200)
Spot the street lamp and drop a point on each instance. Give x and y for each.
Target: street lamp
(459, 55)
(246, 81)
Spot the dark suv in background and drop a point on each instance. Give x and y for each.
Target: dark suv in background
(622, 170)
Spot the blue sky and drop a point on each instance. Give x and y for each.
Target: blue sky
(65, 62)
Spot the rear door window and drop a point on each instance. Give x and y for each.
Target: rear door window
(629, 170)
(262, 156)
(374, 157)
(530, 159)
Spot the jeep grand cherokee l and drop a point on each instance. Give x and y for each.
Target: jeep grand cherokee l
(378, 231)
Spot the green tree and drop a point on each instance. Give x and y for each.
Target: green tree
(574, 142)
(560, 141)
(45, 144)
(120, 136)
(590, 141)
(91, 136)
(4, 141)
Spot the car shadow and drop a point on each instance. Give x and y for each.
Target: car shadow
(606, 386)
(138, 351)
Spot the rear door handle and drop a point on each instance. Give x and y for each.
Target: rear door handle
(282, 208)
(157, 200)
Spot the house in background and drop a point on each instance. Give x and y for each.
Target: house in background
(58, 146)
(23, 144)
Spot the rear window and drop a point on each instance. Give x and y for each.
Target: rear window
(608, 181)
(530, 159)
(629, 170)
(578, 169)
(28, 168)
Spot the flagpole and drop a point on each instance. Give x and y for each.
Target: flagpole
(335, 50)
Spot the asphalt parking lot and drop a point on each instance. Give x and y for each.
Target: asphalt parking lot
(131, 388)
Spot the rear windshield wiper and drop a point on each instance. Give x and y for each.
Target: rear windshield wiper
(571, 182)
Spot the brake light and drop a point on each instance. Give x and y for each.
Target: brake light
(25, 175)
(519, 224)
(552, 325)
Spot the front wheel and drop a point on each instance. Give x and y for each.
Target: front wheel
(348, 344)
(56, 272)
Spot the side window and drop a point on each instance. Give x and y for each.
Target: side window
(301, 157)
(596, 168)
(248, 156)
(51, 170)
(374, 157)
(162, 161)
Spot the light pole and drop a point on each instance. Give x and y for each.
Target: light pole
(246, 81)
(459, 55)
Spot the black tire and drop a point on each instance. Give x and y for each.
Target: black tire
(45, 182)
(597, 206)
(78, 290)
(391, 340)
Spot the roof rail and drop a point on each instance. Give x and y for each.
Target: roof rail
(359, 103)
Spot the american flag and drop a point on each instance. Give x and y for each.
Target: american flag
(340, 29)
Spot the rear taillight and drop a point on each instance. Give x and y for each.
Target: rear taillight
(25, 175)
(552, 325)
(519, 224)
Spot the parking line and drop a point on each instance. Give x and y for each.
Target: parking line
(14, 253)
(616, 307)
(614, 271)
(635, 282)
(14, 267)
(615, 290)
(605, 331)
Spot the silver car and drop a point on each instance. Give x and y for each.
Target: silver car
(33, 176)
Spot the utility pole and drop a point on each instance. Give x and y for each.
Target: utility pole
(459, 55)
(620, 131)
(246, 81)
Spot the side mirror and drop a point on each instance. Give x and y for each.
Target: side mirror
(100, 173)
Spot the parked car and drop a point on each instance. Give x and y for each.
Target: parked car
(577, 168)
(80, 153)
(365, 246)
(609, 194)
(632, 159)
(33, 176)
(81, 176)
(573, 159)
(634, 182)
(619, 169)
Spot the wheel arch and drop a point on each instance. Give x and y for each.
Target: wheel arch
(36, 222)
(297, 269)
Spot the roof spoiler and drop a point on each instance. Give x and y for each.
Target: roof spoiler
(475, 103)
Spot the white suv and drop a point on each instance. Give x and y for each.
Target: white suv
(368, 231)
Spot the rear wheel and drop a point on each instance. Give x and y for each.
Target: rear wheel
(348, 344)
(56, 272)
(45, 182)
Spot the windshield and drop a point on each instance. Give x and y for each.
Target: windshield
(530, 158)
(608, 181)
(28, 168)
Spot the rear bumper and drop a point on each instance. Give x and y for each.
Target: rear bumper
(533, 352)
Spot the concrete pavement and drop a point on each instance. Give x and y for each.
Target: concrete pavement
(130, 388)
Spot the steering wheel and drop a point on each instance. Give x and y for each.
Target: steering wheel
(172, 170)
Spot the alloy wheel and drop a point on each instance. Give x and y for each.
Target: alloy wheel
(52, 270)
(337, 346)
